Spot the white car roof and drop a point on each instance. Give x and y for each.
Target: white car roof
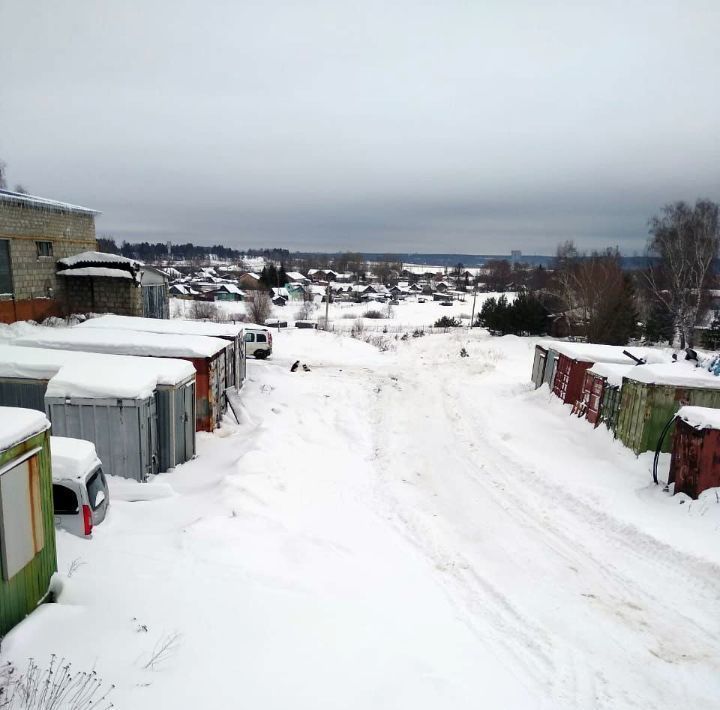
(72, 459)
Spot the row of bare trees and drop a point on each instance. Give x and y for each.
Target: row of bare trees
(670, 295)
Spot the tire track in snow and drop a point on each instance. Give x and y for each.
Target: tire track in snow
(566, 526)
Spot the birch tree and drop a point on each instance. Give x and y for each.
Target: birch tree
(685, 241)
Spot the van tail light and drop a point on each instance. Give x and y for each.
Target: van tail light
(87, 519)
(269, 338)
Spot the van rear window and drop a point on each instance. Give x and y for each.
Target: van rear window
(65, 500)
(95, 485)
(261, 338)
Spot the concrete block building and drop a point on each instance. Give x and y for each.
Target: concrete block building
(49, 265)
(34, 234)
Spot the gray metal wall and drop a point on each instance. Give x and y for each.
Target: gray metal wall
(155, 301)
(175, 424)
(550, 368)
(23, 393)
(124, 431)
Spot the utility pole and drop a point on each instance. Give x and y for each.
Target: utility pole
(472, 317)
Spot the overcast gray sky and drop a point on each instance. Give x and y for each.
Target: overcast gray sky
(472, 126)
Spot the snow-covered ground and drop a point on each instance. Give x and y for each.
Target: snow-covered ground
(405, 529)
(407, 314)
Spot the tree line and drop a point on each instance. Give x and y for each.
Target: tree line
(590, 295)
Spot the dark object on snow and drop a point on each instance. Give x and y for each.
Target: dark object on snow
(690, 354)
(306, 368)
(295, 366)
(464, 353)
(636, 360)
(674, 357)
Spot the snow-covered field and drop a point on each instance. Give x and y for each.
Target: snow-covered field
(406, 529)
(408, 313)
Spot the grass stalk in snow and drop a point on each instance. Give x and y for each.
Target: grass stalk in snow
(56, 687)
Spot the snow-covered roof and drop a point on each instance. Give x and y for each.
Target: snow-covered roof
(677, 374)
(700, 417)
(21, 362)
(592, 352)
(612, 372)
(72, 458)
(283, 292)
(97, 271)
(122, 342)
(98, 258)
(17, 424)
(231, 288)
(42, 203)
(120, 380)
(295, 276)
(157, 325)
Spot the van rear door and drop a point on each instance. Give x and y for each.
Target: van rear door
(98, 495)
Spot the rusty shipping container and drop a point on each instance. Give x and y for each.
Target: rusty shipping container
(601, 387)
(695, 460)
(574, 359)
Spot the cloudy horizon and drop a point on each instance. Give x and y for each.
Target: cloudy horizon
(416, 127)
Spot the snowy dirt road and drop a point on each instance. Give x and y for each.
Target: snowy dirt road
(406, 529)
(590, 609)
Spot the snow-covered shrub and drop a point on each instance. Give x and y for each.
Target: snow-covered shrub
(374, 314)
(306, 310)
(204, 310)
(447, 322)
(357, 329)
(382, 343)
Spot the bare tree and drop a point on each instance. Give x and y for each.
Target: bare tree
(258, 306)
(685, 240)
(595, 294)
(21, 189)
(3, 180)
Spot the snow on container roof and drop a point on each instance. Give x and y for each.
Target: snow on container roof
(158, 325)
(20, 198)
(18, 361)
(700, 417)
(18, 424)
(612, 372)
(593, 352)
(120, 380)
(98, 258)
(122, 342)
(96, 271)
(72, 458)
(677, 374)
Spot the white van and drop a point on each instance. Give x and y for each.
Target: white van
(80, 492)
(258, 341)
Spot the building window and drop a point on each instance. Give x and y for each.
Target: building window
(22, 534)
(6, 286)
(44, 249)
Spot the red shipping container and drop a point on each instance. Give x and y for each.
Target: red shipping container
(569, 378)
(695, 459)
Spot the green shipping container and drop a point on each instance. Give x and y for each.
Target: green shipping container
(645, 409)
(610, 406)
(27, 532)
